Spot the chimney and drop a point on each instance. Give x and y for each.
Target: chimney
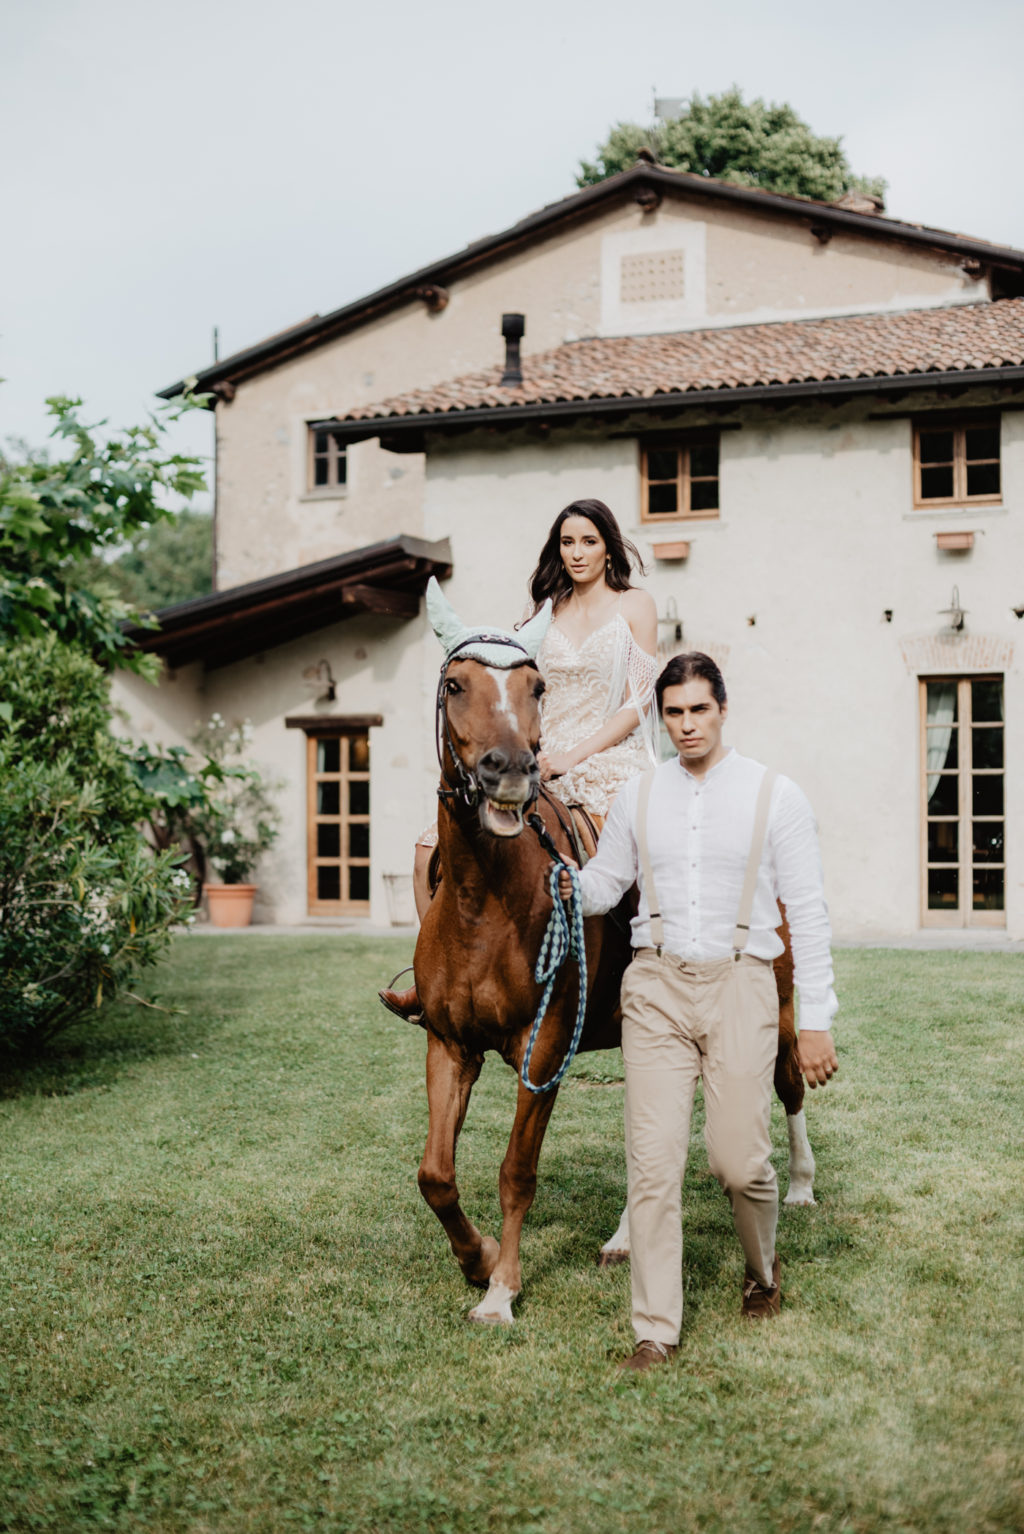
(513, 328)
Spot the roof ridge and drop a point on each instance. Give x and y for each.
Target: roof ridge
(322, 328)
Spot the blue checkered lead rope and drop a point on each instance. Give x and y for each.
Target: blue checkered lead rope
(561, 941)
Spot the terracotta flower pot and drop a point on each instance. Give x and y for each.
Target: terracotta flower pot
(230, 905)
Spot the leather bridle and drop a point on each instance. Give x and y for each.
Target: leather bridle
(466, 788)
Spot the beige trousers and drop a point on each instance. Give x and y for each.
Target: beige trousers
(719, 1021)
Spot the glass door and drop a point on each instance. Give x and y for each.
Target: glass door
(338, 824)
(963, 805)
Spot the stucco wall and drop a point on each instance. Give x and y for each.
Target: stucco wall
(752, 268)
(817, 539)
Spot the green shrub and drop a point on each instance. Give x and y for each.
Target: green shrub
(58, 700)
(85, 902)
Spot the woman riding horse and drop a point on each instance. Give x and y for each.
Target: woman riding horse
(598, 664)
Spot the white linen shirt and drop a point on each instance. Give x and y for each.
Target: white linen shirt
(699, 831)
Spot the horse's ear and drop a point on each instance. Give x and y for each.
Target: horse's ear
(531, 635)
(444, 620)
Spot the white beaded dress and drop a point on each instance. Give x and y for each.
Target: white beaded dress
(586, 687)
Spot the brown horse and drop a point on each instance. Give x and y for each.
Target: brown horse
(474, 960)
(476, 952)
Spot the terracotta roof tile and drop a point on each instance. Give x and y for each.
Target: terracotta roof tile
(967, 338)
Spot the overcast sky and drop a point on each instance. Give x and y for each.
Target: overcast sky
(241, 163)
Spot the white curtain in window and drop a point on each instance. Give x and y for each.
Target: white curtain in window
(941, 711)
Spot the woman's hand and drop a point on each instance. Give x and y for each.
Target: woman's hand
(554, 764)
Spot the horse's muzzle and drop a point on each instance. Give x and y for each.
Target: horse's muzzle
(509, 782)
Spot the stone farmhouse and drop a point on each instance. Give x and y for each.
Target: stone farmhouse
(808, 417)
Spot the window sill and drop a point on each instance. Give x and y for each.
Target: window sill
(675, 526)
(331, 493)
(959, 511)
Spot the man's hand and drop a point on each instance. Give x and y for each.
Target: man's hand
(816, 1052)
(564, 882)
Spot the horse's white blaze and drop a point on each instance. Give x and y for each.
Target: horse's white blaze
(495, 1309)
(620, 1241)
(504, 702)
(801, 1161)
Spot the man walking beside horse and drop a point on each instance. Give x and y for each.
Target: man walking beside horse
(712, 838)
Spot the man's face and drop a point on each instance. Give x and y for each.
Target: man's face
(694, 722)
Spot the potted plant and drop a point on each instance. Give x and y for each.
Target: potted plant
(236, 822)
(217, 806)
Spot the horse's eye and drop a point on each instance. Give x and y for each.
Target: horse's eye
(451, 687)
(539, 689)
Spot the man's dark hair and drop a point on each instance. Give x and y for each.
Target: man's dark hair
(692, 667)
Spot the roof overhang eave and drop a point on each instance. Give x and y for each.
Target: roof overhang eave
(383, 579)
(442, 422)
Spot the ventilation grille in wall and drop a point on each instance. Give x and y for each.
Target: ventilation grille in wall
(651, 277)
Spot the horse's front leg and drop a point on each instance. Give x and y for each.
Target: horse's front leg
(450, 1078)
(517, 1185)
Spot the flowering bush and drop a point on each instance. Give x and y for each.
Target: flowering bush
(84, 902)
(210, 800)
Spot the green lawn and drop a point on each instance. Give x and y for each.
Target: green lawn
(224, 1306)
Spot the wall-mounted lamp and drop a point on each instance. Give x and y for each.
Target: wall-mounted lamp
(672, 620)
(1018, 612)
(320, 682)
(887, 615)
(954, 612)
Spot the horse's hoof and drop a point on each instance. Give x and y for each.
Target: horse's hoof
(611, 1259)
(481, 1317)
(496, 1308)
(799, 1198)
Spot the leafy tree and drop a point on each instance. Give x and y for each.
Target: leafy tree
(747, 143)
(85, 903)
(56, 515)
(169, 562)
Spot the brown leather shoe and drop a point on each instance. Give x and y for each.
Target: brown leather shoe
(404, 1004)
(648, 1353)
(760, 1303)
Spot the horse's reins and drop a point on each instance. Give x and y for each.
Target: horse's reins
(564, 937)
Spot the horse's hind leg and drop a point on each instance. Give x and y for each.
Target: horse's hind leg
(789, 1083)
(789, 1087)
(616, 1248)
(450, 1078)
(517, 1185)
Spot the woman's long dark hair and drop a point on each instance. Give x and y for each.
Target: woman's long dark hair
(552, 579)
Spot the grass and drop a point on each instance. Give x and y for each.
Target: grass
(225, 1308)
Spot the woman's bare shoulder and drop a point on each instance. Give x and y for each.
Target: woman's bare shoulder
(640, 612)
(638, 603)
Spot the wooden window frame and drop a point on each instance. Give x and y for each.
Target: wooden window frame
(337, 454)
(343, 733)
(681, 446)
(959, 426)
(964, 916)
